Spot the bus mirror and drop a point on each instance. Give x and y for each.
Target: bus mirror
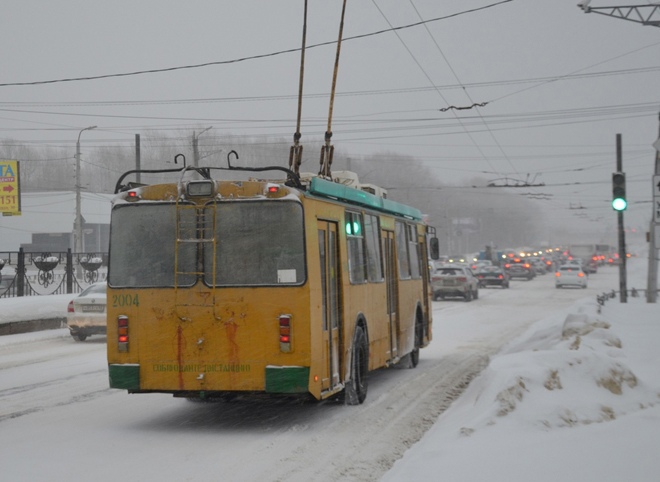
(435, 248)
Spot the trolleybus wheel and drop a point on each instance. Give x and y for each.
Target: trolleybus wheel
(80, 336)
(356, 387)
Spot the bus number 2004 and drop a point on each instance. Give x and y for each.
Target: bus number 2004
(125, 300)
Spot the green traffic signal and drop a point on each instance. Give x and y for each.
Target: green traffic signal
(619, 202)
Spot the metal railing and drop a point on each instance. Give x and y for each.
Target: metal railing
(49, 273)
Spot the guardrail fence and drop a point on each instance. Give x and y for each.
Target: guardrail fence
(49, 273)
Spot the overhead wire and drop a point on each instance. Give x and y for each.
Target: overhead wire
(253, 57)
(474, 104)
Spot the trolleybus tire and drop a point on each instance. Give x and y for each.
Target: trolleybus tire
(356, 387)
(80, 336)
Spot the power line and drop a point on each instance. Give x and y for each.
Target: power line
(254, 57)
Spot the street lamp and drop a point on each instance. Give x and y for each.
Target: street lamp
(195, 140)
(78, 223)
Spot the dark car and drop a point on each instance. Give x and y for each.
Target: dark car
(519, 268)
(492, 276)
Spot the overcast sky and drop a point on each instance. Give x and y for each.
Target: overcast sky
(557, 84)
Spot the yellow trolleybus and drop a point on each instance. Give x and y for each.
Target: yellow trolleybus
(219, 288)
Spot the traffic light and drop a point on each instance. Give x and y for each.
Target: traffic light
(619, 202)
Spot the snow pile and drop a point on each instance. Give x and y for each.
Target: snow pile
(571, 374)
(29, 308)
(577, 397)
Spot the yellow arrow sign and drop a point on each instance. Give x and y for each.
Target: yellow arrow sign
(10, 188)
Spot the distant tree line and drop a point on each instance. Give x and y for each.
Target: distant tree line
(466, 217)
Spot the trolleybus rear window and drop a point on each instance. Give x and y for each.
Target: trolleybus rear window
(258, 243)
(143, 245)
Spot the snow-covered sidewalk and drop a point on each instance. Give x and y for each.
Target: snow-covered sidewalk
(577, 398)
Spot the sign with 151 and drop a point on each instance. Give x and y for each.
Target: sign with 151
(10, 188)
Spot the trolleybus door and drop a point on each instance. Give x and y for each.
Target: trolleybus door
(392, 295)
(329, 260)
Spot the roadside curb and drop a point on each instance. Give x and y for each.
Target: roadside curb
(15, 327)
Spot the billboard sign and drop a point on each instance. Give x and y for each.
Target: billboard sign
(10, 188)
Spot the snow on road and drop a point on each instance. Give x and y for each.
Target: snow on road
(56, 407)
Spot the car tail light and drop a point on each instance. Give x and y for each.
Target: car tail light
(527, 265)
(580, 274)
(69, 309)
(507, 266)
(500, 276)
(285, 333)
(557, 274)
(122, 333)
(462, 279)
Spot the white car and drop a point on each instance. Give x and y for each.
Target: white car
(570, 275)
(86, 314)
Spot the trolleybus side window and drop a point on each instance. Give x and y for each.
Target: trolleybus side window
(374, 258)
(407, 245)
(413, 251)
(143, 245)
(355, 240)
(257, 243)
(402, 250)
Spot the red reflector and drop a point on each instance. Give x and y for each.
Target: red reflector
(122, 321)
(285, 321)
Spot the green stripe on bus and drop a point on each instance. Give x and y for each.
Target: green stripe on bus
(124, 376)
(333, 190)
(287, 379)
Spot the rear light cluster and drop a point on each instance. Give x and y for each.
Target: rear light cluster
(285, 333)
(122, 333)
(69, 309)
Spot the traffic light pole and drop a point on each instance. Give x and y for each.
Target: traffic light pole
(654, 230)
(623, 286)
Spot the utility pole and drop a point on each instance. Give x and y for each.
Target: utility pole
(623, 286)
(78, 222)
(654, 229)
(138, 159)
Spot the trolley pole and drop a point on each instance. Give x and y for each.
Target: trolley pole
(623, 286)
